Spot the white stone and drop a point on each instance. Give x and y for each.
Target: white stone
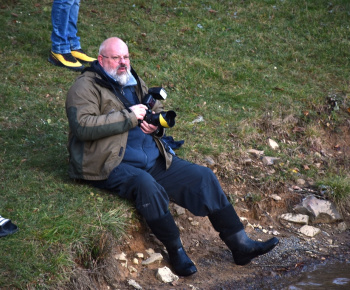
(165, 275)
(179, 210)
(132, 269)
(309, 231)
(276, 197)
(273, 144)
(150, 251)
(295, 218)
(198, 119)
(135, 261)
(256, 153)
(269, 160)
(121, 257)
(153, 258)
(139, 255)
(134, 284)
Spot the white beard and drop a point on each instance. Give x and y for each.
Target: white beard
(122, 79)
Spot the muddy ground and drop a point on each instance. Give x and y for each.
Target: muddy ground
(216, 268)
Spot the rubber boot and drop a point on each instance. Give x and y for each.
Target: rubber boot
(244, 249)
(231, 231)
(167, 232)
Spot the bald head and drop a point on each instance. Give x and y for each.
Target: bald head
(112, 43)
(114, 58)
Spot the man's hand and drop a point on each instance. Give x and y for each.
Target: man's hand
(147, 128)
(139, 110)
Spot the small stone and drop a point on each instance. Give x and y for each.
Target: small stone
(135, 261)
(273, 144)
(153, 258)
(198, 119)
(295, 218)
(121, 257)
(132, 269)
(247, 161)
(134, 284)
(309, 231)
(210, 161)
(166, 276)
(267, 161)
(301, 181)
(342, 227)
(179, 210)
(150, 251)
(195, 223)
(276, 197)
(139, 255)
(256, 153)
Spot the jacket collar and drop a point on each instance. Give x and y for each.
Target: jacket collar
(105, 79)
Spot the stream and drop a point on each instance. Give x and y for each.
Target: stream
(329, 276)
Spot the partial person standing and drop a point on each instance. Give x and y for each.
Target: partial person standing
(65, 49)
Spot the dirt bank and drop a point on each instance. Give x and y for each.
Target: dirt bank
(216, 269)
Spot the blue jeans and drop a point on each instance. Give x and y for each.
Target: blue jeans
(64, 17)
(189, 185)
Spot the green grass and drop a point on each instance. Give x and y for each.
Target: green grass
(245, 66)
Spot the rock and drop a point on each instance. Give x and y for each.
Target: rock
(247, 161)
(301, 181)
(198, 119)
(132, 269)
(153, 258)
(139, 255)
(179, 210)
(210, 161)
(134, 284)
(295, 218)
(135, 261)
(150, 251)
(342, 227)
(276, 197)
(275, 233)
(269, 160)
(121, 257)
(165, 275)
(309, 231)
(256, 153)
(319, 211)
(273, 144)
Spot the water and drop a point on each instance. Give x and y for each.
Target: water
(329, 276)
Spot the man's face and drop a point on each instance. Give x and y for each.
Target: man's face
(115, 61)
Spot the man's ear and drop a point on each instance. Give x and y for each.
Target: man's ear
(99, 58)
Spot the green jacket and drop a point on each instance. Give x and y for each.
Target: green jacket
(99, 125)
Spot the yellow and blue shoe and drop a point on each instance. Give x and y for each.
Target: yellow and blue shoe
(79, 54)
(65, 60)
